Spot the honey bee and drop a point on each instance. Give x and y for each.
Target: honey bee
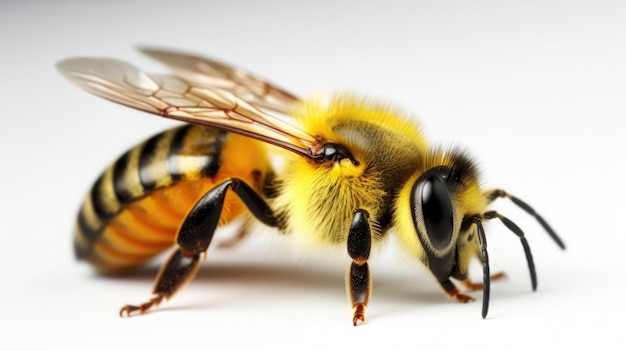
(355, 171)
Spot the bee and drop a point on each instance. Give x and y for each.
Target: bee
(355, 171)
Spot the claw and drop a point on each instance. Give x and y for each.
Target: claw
(359, 314)
(462, 298)
(129, 309)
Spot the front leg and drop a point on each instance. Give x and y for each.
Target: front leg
(358, 282)
(451, 290)
(194, 237)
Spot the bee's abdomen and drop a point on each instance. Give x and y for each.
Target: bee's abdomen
(135, 207)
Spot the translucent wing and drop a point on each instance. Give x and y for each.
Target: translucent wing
(204, 72)
(177, 98)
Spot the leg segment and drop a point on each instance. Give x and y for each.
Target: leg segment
(471, 286)
(197, 230)
(194, 238)
(358, 281)
(359, 290)
(484, 255)
(179, 269)
(524, 206)
(517, 231)
(485, 286)
(454, 293)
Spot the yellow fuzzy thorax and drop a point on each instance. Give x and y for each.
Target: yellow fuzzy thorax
(320, 119)
(318, 199)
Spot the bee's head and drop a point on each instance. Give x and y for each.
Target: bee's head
(439, 214)
(431, 209)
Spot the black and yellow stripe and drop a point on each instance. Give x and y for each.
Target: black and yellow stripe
(135, 207)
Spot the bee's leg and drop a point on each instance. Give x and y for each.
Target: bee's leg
(484, 259)
(494, 194)
(472, 286)
(482, 256)
(358, 282)
(520, 234)
(180, 268)
(451, 290)
(194, 237)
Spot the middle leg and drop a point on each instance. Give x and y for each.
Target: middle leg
(358, 281)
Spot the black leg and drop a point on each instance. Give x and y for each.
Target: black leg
(178, 270)
(358, 281)
(520, 234)
(194, 238)
(484, 257)
(492, 195)
(197, 230)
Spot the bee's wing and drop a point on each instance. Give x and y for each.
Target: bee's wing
(204, 72)
(177, 98)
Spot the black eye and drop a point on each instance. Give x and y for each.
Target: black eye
(334, 152)
(437, 212)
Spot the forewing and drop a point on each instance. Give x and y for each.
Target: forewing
(204, 72)
(177, 98)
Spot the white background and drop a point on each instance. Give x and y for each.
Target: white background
(535, 89)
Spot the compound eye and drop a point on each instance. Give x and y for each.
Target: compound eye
(334, 152)
(437, 212)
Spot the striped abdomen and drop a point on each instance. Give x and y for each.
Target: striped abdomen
(134, 209)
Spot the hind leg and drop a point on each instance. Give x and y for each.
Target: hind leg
(194, 238)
